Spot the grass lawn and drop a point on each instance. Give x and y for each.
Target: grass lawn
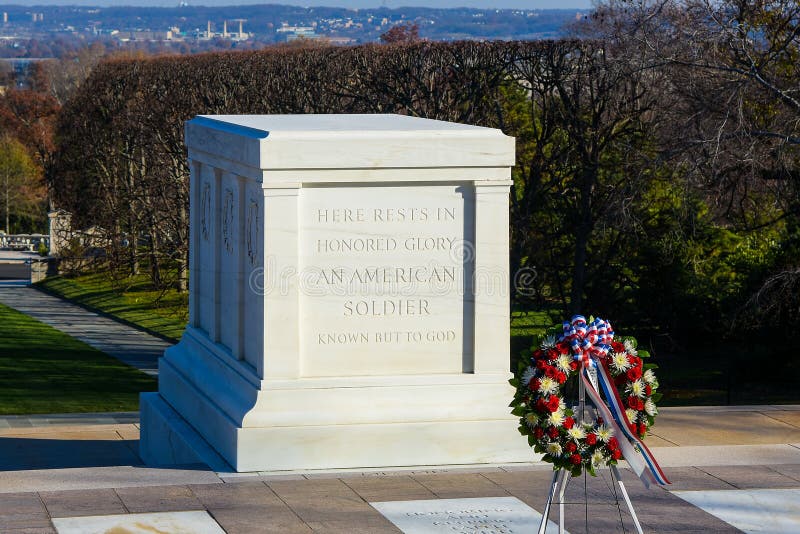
(160, 312)
(43, 370)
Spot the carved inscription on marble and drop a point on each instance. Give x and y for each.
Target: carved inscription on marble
(383, 269)
(252, 231)
(228, 222)
(493, 515)
(205, 211)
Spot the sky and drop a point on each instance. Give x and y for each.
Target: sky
(485, 4)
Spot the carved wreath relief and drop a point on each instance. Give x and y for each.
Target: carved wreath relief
(205, 211)
(252, 232)
(228, 223)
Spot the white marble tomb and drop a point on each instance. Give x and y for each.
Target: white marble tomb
(349, 298)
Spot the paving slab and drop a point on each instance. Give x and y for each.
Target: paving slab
(462, 485)
(399, 488)
(776, 511)
(159, 499)
(320, 501)
(69, 419)
(198, 522)
(76, 503)
(56, 431)
(706, 427)
(696, 478)
(750, 476)
(231, 496)
(248, 507)
(122, 476)
(791, 417)
(22, 511)
(127, 344)
(791, 470)
(259, 519)
(726, 455)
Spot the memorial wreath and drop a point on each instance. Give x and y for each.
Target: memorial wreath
(580, 351)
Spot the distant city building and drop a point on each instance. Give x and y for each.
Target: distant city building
(291, 33)
(138, 35)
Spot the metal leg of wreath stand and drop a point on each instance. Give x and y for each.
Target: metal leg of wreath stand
(558, 486)
(615, 474)
(564, 482)
(561, 477)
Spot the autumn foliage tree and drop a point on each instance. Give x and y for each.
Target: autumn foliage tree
(20, 187)
(407, 32)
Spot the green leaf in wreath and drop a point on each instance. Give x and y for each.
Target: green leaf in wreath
(656, 397)
(519, 411)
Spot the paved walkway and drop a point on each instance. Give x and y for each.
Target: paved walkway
(132, 346)
(50, 470)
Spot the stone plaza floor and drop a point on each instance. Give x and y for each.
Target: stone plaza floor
(732, 469)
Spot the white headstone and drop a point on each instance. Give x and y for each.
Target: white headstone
(348, 296)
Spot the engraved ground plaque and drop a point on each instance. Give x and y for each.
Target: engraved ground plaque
(488, 515)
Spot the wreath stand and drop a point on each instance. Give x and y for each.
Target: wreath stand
(561, 477)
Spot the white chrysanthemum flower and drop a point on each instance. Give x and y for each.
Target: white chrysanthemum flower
(531, 418)
(548, 386)
(604, 433)
(629, 348)
(528, 375)
(549, 342)
(636, 388)
(631, 413)
(598, 458)
(650, 408)
(554, 449)
(650, 378)
(576, 433)
(556, 418)
(563, 362)
(619, 362)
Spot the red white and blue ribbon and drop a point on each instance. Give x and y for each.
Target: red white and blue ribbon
(590, 343)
